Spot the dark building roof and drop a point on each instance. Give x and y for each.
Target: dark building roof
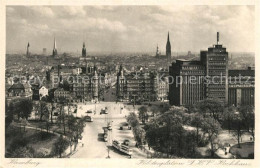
(246, 72)
(20, 86)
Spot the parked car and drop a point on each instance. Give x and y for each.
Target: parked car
(105, 137)
(89, 119)
(89, 112)
(109, 126)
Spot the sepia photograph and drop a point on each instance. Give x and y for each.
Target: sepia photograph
(130, 82)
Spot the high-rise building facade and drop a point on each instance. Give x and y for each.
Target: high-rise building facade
(209, 78)
(216, 62)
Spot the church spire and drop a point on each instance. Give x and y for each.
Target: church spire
(168, 48)
(168, 39)
(54, 52)
(84, 52)
(28, 49)
(54, 47)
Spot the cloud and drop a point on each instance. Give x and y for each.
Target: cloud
(73, 11)
(43, 11)
(93, 23)
(131, 28)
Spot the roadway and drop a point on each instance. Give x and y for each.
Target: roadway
(94, 145)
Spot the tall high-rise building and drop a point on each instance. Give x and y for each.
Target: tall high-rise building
(84, 52)
(54, 52)
(28, 49)
(216, 62)
(207, 78)
(168, 49)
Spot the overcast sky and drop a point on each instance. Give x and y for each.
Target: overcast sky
(129, 28)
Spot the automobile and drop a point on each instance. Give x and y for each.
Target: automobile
(105, 137)
(109, 126)
(104, 111)
(89, 119)
(105, 130)
(89, 112)
(126, 142)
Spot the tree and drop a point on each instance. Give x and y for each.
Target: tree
(238, 122)
(197, 120)
(23, 108)
(143, 115)
(132, 120)
(52, 109)
(62, 119)
(164, 108)
(165, 133)
(211, 128)
(247, 115)
(44, 111)
(60, 146)
(77, 129)
(71, 121)
(9, 109)
(211, 107)
(228, 116)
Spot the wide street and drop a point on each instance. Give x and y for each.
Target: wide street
(93, 143)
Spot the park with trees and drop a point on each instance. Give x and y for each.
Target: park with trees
(201, 131)
(45, 135)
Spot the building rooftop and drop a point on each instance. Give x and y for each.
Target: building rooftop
(241, 72)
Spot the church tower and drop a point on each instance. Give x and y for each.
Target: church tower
(84, 52)
(168, 48)
(95, 86)
(28, 50)
(157, 51)
(54, 52)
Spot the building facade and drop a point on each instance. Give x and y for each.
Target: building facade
(186, 82)
(216, 62)
(136, 86)
(162, 85)
(208, 78)
(241, 87)
(43, 91)
(61, 95)
(19, 90)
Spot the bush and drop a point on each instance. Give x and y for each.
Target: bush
(23, 152)
(17, 143)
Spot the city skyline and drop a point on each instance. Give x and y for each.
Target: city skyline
(141, 28)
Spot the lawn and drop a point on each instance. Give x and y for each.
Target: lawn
(40, 142)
